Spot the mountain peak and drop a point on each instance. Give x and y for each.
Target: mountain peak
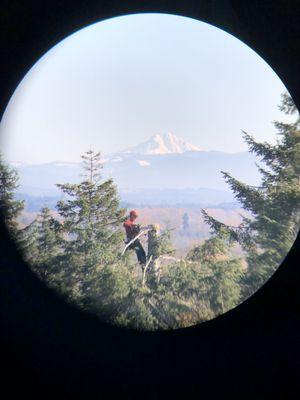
(166, 143)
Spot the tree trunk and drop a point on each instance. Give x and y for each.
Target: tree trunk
(153, 250)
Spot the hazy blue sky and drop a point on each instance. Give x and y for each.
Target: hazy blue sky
(118, 82)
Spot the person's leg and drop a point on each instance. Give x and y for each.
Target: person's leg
(140, 252)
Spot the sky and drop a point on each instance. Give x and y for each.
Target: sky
(118, 82)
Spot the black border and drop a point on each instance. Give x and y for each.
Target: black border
(49, 346)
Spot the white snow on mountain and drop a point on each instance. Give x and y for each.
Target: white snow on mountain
(17, 163)
(185, 168)
(66, 164)
(117, 159)
(143, 163)
(167, 143)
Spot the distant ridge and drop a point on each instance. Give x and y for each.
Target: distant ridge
(164, 161)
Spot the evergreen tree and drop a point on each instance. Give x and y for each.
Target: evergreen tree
(28, 243)
(181, 296)
(269, 233)
(10, 208)
(224, 273)
(199, 288)
(121, 298)
(91, 224)
(49, 236)
(41, 243)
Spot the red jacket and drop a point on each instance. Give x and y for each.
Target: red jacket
(130, 228)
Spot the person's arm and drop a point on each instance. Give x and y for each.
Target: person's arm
(135, 229)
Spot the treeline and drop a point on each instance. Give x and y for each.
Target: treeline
(80, 253)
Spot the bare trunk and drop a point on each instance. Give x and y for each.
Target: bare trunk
(153, 251)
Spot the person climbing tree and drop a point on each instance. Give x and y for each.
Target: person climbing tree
(132, 230)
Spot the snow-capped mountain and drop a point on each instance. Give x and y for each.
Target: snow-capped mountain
(163, 162)
(193, 169)
(167, 143)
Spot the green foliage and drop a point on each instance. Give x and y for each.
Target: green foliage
(41, 244)
(91, 216)
(164, 243)
(224, 272)
(199, 288)
(91, 220)
(79, 254)
(274, 206)
(10, 208)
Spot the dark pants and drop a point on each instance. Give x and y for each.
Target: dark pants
(140, 252)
